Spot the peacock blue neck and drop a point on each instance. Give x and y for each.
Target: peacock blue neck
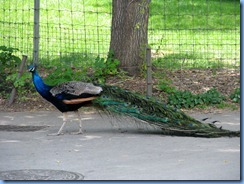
(40, 86)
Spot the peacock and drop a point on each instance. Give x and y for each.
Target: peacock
(70, 96)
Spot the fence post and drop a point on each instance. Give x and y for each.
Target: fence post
(149, 71)
(36, 36)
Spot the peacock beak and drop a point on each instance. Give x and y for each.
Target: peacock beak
(31, 68)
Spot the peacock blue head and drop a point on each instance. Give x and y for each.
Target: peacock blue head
(32, 68)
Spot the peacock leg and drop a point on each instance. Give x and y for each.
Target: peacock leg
(80, 125)
(64, 122)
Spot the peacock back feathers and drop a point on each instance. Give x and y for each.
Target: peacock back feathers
(170, 120)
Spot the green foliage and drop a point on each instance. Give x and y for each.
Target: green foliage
(56, 73)
(99, 70)
(235, 96)
(8, 61)
(8, 69)
(224, 104)
(103, 68)
(64, 73)
(165, 86)
(19, 82)
(186, 99)
(22, 84)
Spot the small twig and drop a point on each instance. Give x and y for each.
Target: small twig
(21, 68)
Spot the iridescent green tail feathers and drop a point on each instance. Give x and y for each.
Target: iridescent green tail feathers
(168, 119)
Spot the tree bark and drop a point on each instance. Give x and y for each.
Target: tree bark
(129, 33)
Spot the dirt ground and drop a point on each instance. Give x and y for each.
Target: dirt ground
(194, 80)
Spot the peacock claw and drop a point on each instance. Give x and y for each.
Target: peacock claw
(214, 122)
(204, 119)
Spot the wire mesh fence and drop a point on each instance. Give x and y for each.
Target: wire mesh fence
(196, 33)
(182, 34)
(16, 20)
(66, 27)
(74, 27)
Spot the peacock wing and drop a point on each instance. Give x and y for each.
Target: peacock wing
(75, 88)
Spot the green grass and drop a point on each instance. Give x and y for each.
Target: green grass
(206, 49)
(198, 34)
(195, 14)
(191, 33)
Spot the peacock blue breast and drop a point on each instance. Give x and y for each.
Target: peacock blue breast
(40, 86)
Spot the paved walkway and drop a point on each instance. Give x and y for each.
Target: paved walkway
(113, 150)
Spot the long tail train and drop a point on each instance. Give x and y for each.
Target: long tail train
(171, 121)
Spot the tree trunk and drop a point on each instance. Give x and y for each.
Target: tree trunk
(129, 33)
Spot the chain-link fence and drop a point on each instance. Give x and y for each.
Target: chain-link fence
(182, 34)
